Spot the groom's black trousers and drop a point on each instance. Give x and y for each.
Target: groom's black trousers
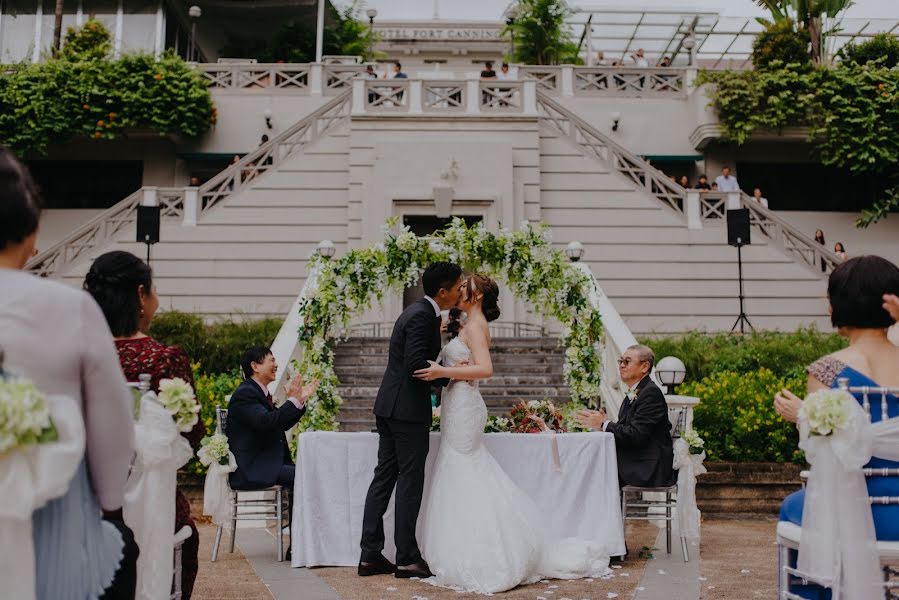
(402, 453)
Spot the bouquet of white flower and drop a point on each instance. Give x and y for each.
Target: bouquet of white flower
(696, 443)
(24, 416)
(214, 449)
(827, 410)
(178, 398)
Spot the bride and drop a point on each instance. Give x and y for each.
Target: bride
(480, 531)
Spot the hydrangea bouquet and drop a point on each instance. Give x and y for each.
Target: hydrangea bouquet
(696, 443)
(24, 415)
(214, 449)
(827, 410)
(178, 398)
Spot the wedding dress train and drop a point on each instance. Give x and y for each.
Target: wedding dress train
(479, 531)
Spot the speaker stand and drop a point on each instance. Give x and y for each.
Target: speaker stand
(149, 245)
(742, 319)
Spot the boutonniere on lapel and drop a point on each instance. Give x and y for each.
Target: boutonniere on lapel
(631, 394)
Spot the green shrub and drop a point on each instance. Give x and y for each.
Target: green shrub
(781, 44)
(737, 418)
(785, 354)
(216, 346)
(211, 391)
(883, 49)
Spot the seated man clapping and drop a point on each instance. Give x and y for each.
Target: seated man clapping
(643, 432)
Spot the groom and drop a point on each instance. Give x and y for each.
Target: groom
(403, 414)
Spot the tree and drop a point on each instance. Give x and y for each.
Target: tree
(57, 25)
(817, 17)
(539, 33)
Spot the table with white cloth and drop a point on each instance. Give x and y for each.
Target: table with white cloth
(578, 495)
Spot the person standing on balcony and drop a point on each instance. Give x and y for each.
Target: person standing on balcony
(504, 74)
(488, 72)
(602, 61)
(703, 183)
(638, 59)
(727, 182)
(665, 62)
(397, 72)
(757, 196)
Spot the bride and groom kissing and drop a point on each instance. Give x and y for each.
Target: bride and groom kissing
(478, 529)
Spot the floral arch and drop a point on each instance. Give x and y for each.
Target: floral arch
(524, 260)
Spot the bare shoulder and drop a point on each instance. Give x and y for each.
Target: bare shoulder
(476, 331)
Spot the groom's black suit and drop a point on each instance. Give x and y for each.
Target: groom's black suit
(403, 414)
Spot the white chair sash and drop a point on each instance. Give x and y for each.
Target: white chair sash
(688, 466)
(217, 492)
(150, 496)
(29, 478)
(838, 545)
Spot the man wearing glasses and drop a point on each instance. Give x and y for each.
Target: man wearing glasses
(643, 432)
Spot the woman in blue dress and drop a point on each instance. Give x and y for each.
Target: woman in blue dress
(857, 291)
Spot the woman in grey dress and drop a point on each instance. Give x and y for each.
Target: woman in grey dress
(56, 336)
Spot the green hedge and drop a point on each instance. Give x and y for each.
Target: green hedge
(211, 391)
(216, 346)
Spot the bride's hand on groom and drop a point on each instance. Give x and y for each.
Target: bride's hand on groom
(434, 371)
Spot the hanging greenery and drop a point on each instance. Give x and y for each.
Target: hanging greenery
(851, 112)
(524, 260)
(539, 34)
(84, 93)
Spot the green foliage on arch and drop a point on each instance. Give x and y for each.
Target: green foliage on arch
(524, 260)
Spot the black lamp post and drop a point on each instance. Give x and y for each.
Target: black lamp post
(194, 12)
(371, 13)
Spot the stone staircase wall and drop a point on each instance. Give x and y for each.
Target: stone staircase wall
(525, 369)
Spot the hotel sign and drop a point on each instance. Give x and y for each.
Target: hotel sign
(454, 34)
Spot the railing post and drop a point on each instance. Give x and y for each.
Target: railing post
(415, 96)
(358, 97)
(316, 79)
(529, 96)
(567, 80)
(689, 78)
(693, 210)
(733, 200)
(473, 96)
(191, 206)
(150, 196)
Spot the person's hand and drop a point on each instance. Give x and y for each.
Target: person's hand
(443, 325)
(296, 389)
(434, 371)
(787, 405)
(891, 305)
(591, 419)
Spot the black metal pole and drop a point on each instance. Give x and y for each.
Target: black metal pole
(740, 276)
(148, 253)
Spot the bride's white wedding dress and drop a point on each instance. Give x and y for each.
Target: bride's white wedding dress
(480, 532)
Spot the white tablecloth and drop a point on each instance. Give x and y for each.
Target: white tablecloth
(334, 471)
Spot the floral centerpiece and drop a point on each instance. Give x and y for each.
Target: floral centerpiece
(694, 441)
(530, 417)
(827, 411)
(214, 449)
(24, 415)
(494, 424)
(178, 398)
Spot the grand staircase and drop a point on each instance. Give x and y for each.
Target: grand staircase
(527, 368)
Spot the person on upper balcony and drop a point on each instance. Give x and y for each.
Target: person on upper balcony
(643, 432)
(637, 59)
(727, 182)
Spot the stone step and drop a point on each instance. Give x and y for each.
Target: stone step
(499, 391)
(350, 378)
(371, 373)
(512, 360)
(503, 342)
(383, 350)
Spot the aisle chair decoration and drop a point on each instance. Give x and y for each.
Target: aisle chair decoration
(149, 495)
(689, 453)
(217, 456)
(837, 544)
(41, 447)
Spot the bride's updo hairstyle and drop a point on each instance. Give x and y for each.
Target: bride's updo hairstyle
(113, 281)
(490, 291)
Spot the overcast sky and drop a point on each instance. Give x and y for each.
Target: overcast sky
(489, 10)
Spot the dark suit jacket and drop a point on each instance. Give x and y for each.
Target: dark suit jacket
(643, 439)
(256, 436)
(415, 341)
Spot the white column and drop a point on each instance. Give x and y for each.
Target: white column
(529, 96)
(149, 198)
(733, 201)
(693, 210)
(319, 31)
(415, 96)
(316, 79)
(358, 96)
(567, 80)
(191, 206)
(79, 13)
(473, 96)
(38, 17)
(159, 45)
(119, 25)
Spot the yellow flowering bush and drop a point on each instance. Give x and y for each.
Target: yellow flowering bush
(737, 418)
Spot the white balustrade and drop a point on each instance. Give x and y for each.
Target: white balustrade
(191, 206)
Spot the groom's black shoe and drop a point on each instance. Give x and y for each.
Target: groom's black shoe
(381, 566)
(419, 569)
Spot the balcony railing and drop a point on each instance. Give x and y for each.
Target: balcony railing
(298, 78)
(469, 97)
(570, 80)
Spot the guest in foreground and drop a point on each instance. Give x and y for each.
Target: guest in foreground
(255, 426)
(643, 431)
(859, 292)
(122, 284)
(56, 336)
